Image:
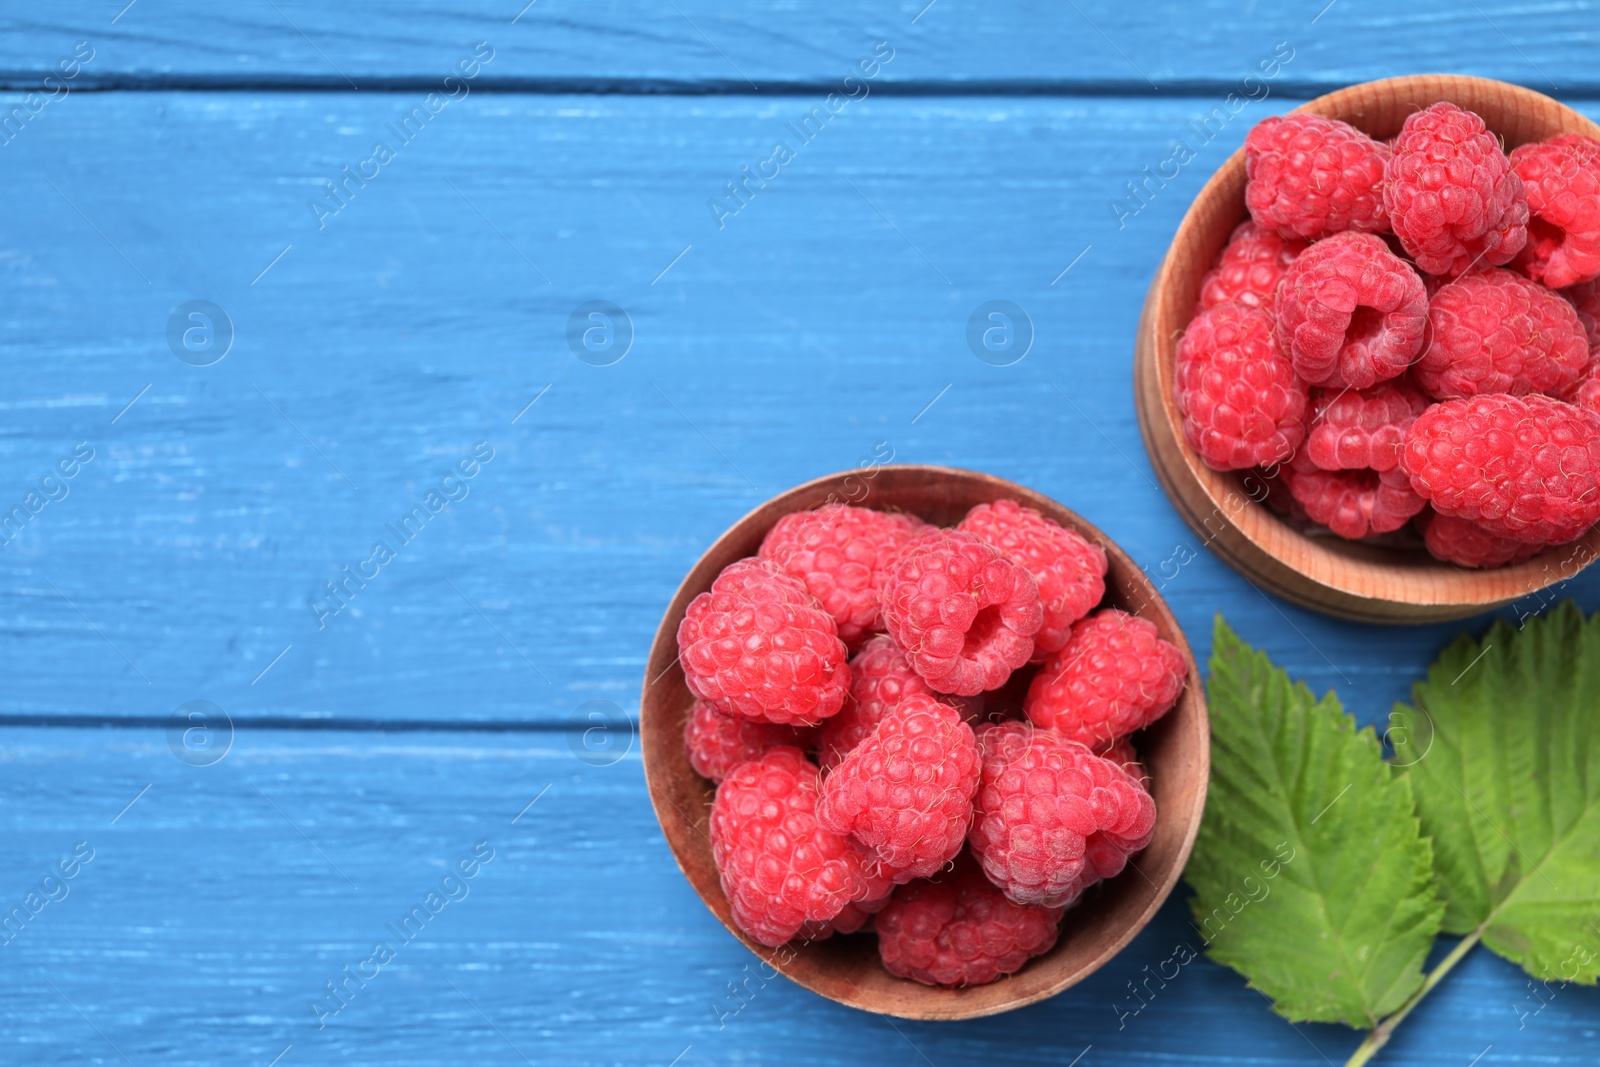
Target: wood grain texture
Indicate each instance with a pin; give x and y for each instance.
(1386, 580)
(773, 46)
(206, 925)
(1176, 751)
(810, 334)
(821, 327)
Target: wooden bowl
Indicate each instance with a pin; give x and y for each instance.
(1395, 581)
(1176, 751)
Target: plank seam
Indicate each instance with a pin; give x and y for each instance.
(29, 81)
(290, 722)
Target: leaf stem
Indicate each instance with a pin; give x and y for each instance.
(1384, 1030)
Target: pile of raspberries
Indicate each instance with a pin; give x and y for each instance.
(1405, 332)
(921, 732)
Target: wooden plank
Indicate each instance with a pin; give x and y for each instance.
(705, 45)
(821, 327)
(216, 908)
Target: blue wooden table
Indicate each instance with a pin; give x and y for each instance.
(285, 282)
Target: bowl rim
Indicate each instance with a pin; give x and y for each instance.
(1356, 580)
(661, 746)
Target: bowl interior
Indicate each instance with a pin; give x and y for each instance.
(1387, 580)
(846, 969)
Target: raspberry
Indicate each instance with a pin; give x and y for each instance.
(1242, 403)
(718, 743)
(1355, 503)
(1249, 269)
(1561, 178)
(1453, 199)
(1585, 296)
(1122, 753)
(1362, 429)
(1116, 675)
(960, 931)
(1585, 392)
(1524, 468)
(997, 705)
(906, 791)
(780, 869)
(1069, 570)
(1051, 817)
(880, 677)
(1467, 544)
(1271, 488)
(1432, 283)
(1351, 313)
(757, 645)
(1313, 177)
(839, 553)
(964, 614)
(1496, 332)
(852, 917)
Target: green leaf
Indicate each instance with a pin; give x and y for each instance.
(1311, 876)
(1503, 751)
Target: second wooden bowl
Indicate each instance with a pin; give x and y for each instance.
(1388, 582)
(1176, 751)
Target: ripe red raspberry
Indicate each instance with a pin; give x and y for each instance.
(718, 743)
(1069, 570)
(1355, 503)
(960, 931)
(840, 553)
(1526, 468)
(1122, 753)
(1313, 177)
(997, 705)
(1269, 486)
(1351, 429)
(780, 869)
(1585, 392)
(964, 614)
(1051, 817)
(853, 916)
(906, 791)
(1242, 403)
(757, 645)
(1432, 283)
(880, 678)
(1585, 297)
(1453, 199)
(1496, 332)
(1248, 269)
(1351, 313)
(1561, 178)
(1467, 544)
(1116, 675)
